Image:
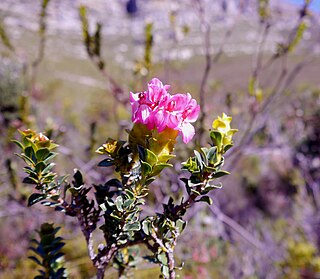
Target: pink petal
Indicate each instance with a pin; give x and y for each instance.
(160, 120)
(187, 131)
(193, 115)
(173, 121)
(143, 113)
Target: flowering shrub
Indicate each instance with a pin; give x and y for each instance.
(158, 119)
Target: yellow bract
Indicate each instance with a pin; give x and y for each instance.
(222, 125)
(161, 144)
(110, 146)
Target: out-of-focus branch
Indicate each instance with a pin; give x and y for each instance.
(92, 43)
(236, 227)
(209, 61)
(206, 31)
(5, 37)
(284, 80)
(41, 48)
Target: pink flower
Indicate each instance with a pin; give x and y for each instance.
(183, 111)
(157, 109)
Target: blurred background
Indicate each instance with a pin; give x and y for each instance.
(67, 67)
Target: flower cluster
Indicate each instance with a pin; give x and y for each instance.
(158, 109)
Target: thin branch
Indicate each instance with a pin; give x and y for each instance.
(236, 227)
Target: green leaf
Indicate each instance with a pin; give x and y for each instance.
(227, 147)
(40, 167)
(146, 227)
(27, 160)
(146, 168)
(18, 143)
(220, 174)
(165, 157)
(142, 153)
(33, 258)
(42, 153)
(206, 199)
(149, 180)
(132, 226)
(211, 154)
(165, 271)
(36, 197)
(181, 224)
(48, 167)
(50, 157)
(29, 152)
(212, 187)
(195, 191)
(159, 167)
(119, 203)
(151, 158)
(216, 138)
(251, 86)
(78, 180)
(108, 162)
(162, 258)
(129, 193)
(127, 203)
(28, 180)
(199, 158)
(103, 207)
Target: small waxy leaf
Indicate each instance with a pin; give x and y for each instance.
(162, 258)
(199, 158)
(108, 162)
(127, 203)
(132, 226)
(181, 224)
(212, 187)
(50, 157)
(42, 153)
(103, 207)
(78, 178)
(40, 167)
(216, 138)
(165, 271)
(119, 203)
(149, 180)
(48, 167)
(36, 197)
(227, 147)
(206, 199)
(220, 174)
(159, 167)
(151, 158)
(165, 157)
(142, 153)
(28, 180)
(129, 193)
(146, 227)
(194, 191)
(18, 143)
(27, 160)
(146, 168)
(211, 155)
(29, 152)
(35, 260)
